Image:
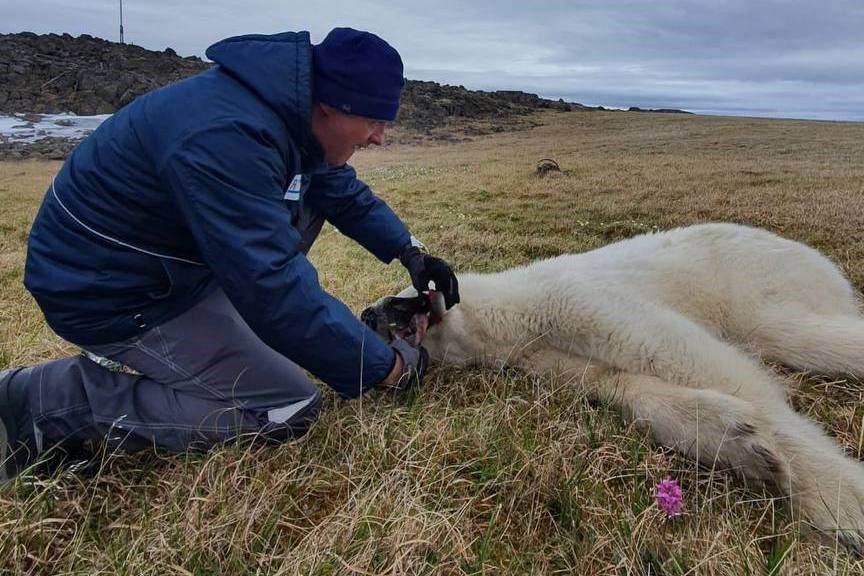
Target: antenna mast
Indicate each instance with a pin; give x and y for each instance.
(121, 21)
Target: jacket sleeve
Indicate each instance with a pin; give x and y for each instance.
(350, 205)
(227, 181)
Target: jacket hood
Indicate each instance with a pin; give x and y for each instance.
(278, 68)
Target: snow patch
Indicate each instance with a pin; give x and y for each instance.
(33, 127)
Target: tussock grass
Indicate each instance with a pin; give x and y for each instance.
(478, 472)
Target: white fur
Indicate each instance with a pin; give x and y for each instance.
(670, 327)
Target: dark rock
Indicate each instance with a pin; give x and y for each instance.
(53, 73)
(660, 110)
(85, 75)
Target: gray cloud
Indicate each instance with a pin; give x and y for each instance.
(771, 57)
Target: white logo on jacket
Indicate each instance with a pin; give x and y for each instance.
(294, 188)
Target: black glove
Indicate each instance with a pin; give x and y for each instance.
(414, 363)
(424, 268)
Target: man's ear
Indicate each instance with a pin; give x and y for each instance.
(320, 119)
(323, 109)
(319, 111)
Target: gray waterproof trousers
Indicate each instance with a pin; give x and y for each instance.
(205, 378)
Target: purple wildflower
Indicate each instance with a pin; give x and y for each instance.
(669, 497)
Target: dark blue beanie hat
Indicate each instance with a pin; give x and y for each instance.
(358, 73)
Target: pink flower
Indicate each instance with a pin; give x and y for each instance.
(669, 497)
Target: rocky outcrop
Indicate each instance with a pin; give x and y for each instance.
(54, 73)
(658, 110)
(48, 148)
(427, 105)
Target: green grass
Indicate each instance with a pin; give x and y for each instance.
(480, 471)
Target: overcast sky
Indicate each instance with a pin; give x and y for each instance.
(782, 58)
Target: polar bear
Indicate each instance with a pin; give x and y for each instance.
(674, 328)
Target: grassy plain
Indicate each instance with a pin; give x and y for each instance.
(479, 472)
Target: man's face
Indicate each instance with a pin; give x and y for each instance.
(340, 134)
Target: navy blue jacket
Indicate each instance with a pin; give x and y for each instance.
(202, 180)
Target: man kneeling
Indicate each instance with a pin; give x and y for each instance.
(171, 247)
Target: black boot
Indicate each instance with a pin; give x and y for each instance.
(18, 446)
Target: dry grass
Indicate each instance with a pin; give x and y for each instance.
(479, 472)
